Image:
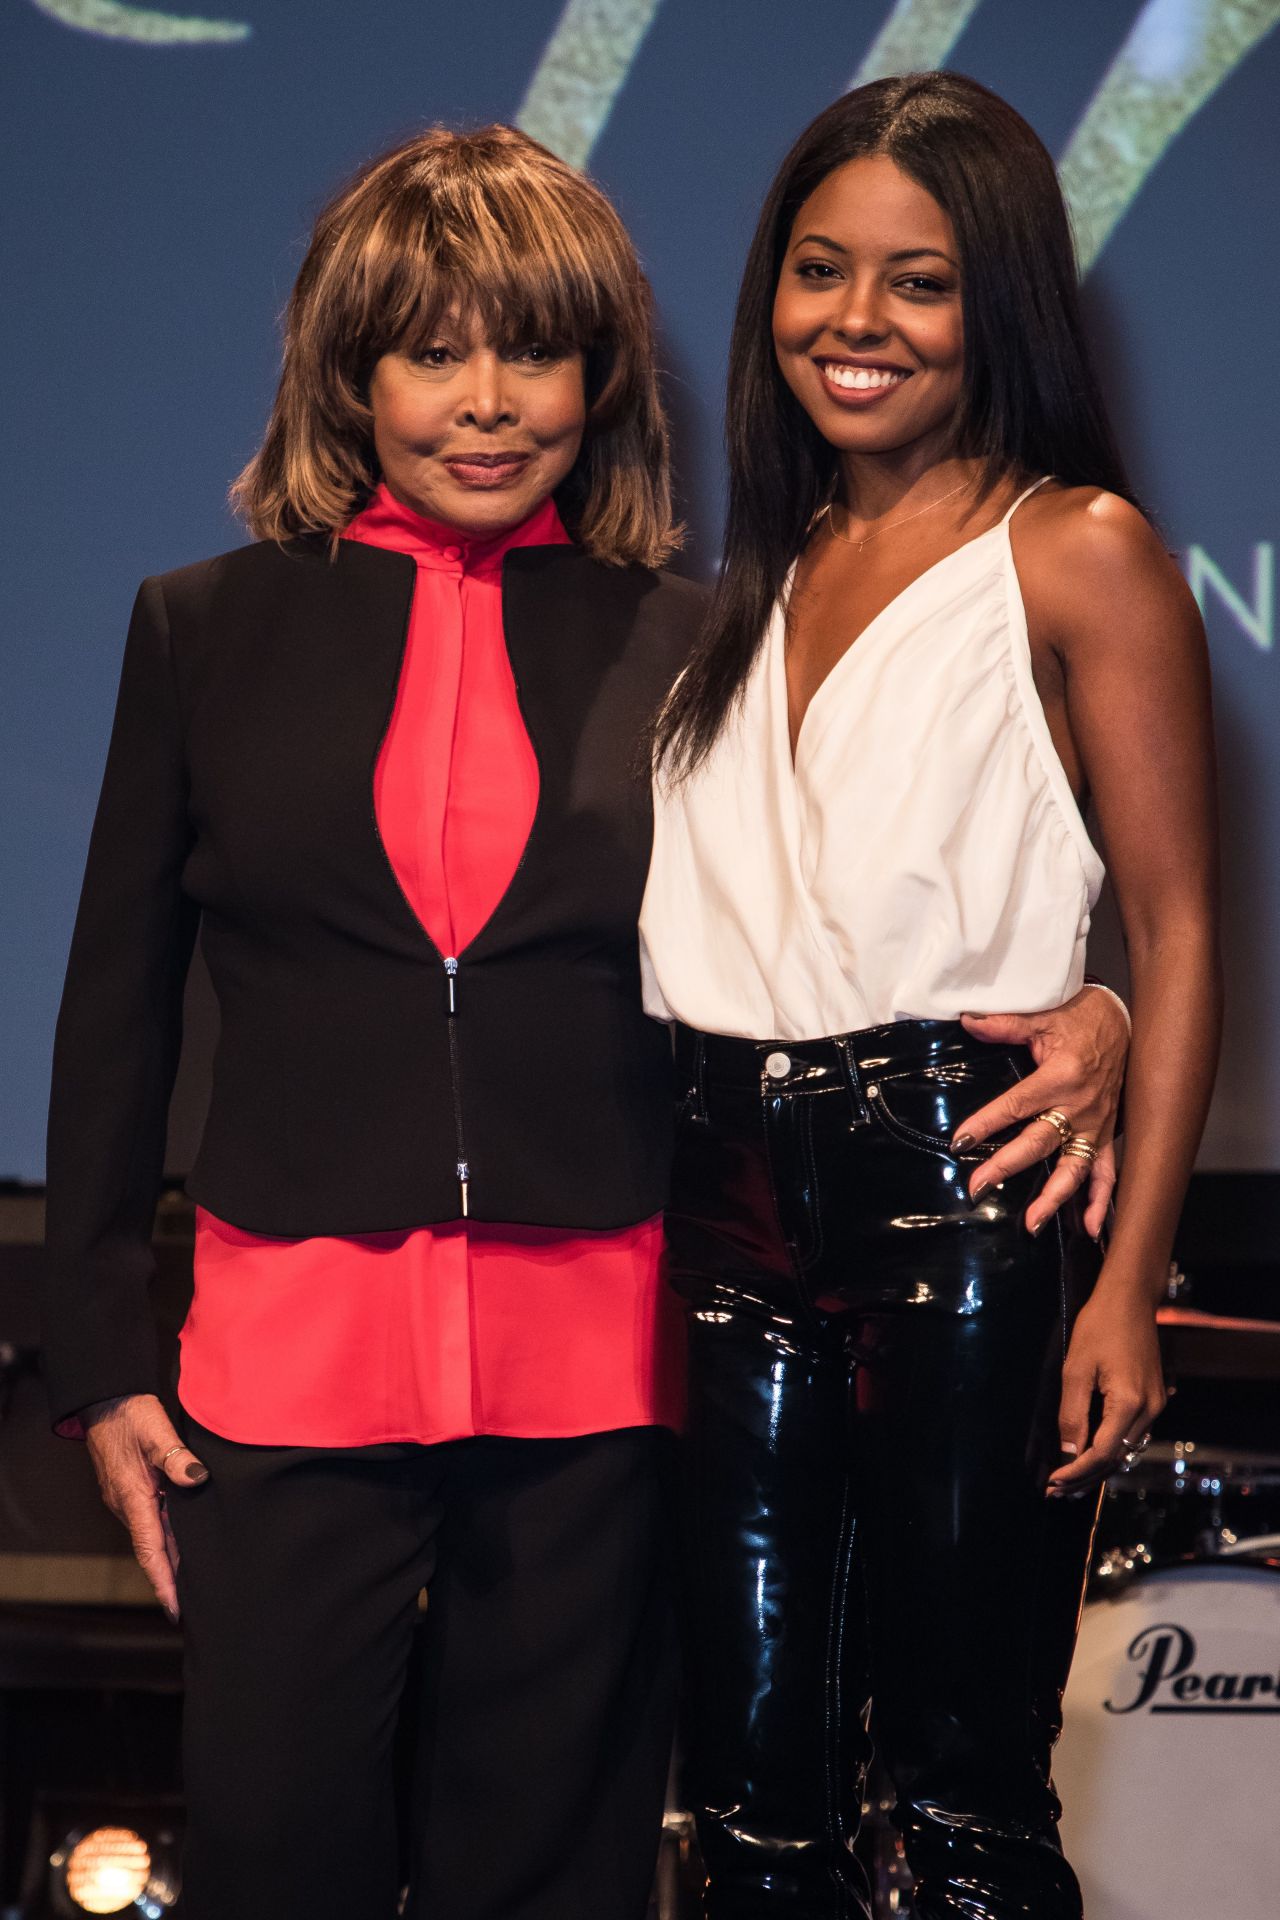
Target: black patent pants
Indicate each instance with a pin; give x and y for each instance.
(875, 1372)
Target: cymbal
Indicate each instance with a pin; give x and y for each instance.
(1216, 1346)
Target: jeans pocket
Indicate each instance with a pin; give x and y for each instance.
(921, 1106)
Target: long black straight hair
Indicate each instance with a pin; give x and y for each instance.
(1031, 401)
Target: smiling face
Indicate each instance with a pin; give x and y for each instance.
(867, 324)
(475, 433)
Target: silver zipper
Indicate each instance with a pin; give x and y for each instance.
(462, 1169)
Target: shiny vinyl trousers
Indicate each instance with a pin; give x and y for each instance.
(875, 1374)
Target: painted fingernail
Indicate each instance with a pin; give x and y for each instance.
(173, 1614)
(961, 1141)
(978, 1186)
(1033, 1231)
(197, 1472)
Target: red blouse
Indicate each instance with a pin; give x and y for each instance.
(438, 1332)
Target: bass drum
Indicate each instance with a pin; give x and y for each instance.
(1170, 1749)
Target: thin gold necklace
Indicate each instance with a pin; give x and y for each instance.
(941, 501)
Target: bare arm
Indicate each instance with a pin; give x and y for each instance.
(1135, 674)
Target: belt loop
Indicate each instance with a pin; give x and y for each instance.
(860, 1113)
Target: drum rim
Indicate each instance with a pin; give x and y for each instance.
(1266, 1545)
(1238, 1559)
(1198, 1457)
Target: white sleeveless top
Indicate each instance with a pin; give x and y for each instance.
(924, 858)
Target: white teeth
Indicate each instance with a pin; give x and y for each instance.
(861, 376)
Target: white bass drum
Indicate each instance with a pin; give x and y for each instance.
(1169, 1763)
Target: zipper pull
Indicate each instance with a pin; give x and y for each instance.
(464, 1184)
(451, 970)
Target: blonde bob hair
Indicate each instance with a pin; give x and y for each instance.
(487, 223)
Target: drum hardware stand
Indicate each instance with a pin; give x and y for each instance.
(1210, 1539)
(1115, 1568)
(883, 1855)
(680, 1880)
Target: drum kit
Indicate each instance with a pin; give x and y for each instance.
(1169, 1763)
(1169, 1760)
(1168, 1767)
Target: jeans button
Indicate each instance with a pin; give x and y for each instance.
(778, 1065)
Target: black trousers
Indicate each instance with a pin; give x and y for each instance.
(875, 1371)
(546, 1678)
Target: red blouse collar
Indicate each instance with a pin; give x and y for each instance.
(386, 522)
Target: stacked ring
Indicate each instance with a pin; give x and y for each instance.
(1078, 1148)
(1060, 1124)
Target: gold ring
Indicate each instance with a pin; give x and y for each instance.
(168, 1456)
(1059, 1122)
(1078, 1148)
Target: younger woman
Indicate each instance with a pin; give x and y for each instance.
(941, 627)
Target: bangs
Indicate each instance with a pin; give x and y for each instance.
(491, 230)
(518, 262)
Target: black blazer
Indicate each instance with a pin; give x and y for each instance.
(363, 1081)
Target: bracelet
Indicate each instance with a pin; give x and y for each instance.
(1102, 987)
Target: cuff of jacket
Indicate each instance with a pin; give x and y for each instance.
(91, 1371)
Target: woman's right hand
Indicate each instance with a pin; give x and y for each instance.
(1080, 1051)
(135, 1452)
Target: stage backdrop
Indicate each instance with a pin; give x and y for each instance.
(164, 170)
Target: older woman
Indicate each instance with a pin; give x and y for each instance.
(388, 775)
(386, 758)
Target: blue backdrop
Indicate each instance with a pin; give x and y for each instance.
(168, 172)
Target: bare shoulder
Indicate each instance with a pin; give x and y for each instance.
(1091, 565)
(1089, 536)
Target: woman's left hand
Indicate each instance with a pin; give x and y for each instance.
(1114, 1352)
(1080, 1049)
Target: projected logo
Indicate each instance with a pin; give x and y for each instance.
(1175, 56)
(1255, 612)
(143, 24)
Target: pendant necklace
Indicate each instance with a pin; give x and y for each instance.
(849, 541)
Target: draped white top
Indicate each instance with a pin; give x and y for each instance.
(923, 858)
